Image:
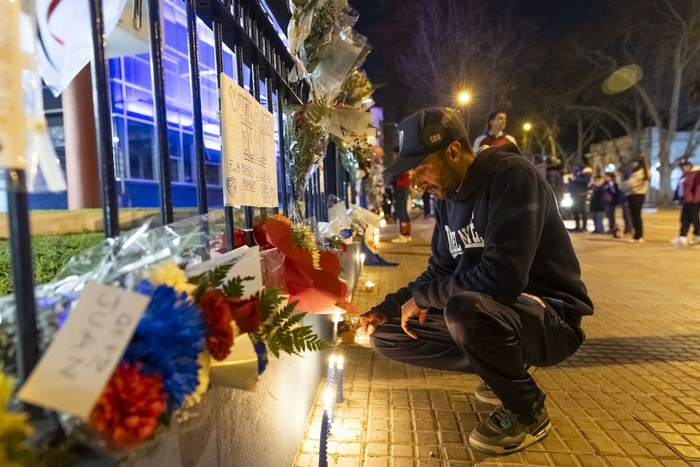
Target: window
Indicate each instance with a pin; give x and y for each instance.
(141, 150)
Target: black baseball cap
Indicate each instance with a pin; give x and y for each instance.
(425, 132)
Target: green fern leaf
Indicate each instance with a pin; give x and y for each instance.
(234, 286)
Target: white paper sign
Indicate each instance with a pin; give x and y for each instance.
(11, 105)
(249, 158)
(246, 262)
(84, 353)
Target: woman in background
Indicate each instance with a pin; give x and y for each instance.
(636, 187)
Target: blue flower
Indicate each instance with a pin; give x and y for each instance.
(168, 340)
(261, 350)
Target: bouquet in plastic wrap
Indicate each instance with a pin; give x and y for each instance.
(133, 331)
(308, 135)
(310, 273)
(356, 155)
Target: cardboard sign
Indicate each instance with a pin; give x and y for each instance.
(248, 142)
(84, 353)
(11, 105)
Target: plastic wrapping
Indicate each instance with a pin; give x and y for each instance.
(122, 261)
(308, 134)
(65, 37)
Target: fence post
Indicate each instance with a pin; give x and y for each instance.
(103, 122)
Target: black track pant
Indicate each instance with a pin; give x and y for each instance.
(493, 337)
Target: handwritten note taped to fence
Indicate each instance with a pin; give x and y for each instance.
(249, 158)
(11, 106)
(82, 356)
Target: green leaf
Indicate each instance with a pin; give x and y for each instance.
(234, 287)
(217, 275)
(280, 328)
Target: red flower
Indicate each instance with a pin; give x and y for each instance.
(238, 238)
(329, 262)
(246, 313)
(128, 409)
(217, 315)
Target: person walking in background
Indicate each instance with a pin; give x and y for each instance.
(495, 134)
(625, 170)
(578, 187)
(636, 187)
(597, 204)
(611, 198)
(555, 177)
(402, 190)
(688, 194)
(502, 289)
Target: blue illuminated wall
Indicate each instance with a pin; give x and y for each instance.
(132, 107)
(134, 137)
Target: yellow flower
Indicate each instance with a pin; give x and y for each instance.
(203, 375)
(13, 427)
(171, 275)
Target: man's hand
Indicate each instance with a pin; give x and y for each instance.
(370, 320)
(411, 310)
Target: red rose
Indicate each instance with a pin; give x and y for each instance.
(246, 313)
(217, 315)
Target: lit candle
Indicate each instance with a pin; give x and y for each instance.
(339, 384)
(323, 446)
(331, 372)
(328, 407)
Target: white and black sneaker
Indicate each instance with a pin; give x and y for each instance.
(505, 432)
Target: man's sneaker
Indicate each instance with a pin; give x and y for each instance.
(505, 432)
(680, 241)
(635, 240)
(401, 239)
(484, 394)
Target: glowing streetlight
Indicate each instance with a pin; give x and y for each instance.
(527, 126)
(464, 97)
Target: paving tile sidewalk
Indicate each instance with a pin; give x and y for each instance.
(630, 396)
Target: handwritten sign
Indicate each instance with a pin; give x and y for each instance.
(249, 158)
(82, 356)
(11, 106)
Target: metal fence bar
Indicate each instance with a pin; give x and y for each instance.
(159, 112)
(103, 122)
(195, 89)
(283, 151)
(218, 30)
(22, 273)
(197, 125)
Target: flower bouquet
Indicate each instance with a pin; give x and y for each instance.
(308, 134)
(132, 331)
(311, 274)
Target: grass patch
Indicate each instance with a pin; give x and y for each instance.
(49, 254)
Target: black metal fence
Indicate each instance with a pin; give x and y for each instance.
(243, 26)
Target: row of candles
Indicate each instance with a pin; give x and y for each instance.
(334, 387)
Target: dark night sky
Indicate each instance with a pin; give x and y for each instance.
(552, 18)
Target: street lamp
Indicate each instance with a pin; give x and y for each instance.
(463, 98)
(527, 126)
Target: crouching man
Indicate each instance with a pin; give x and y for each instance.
(502, 290)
